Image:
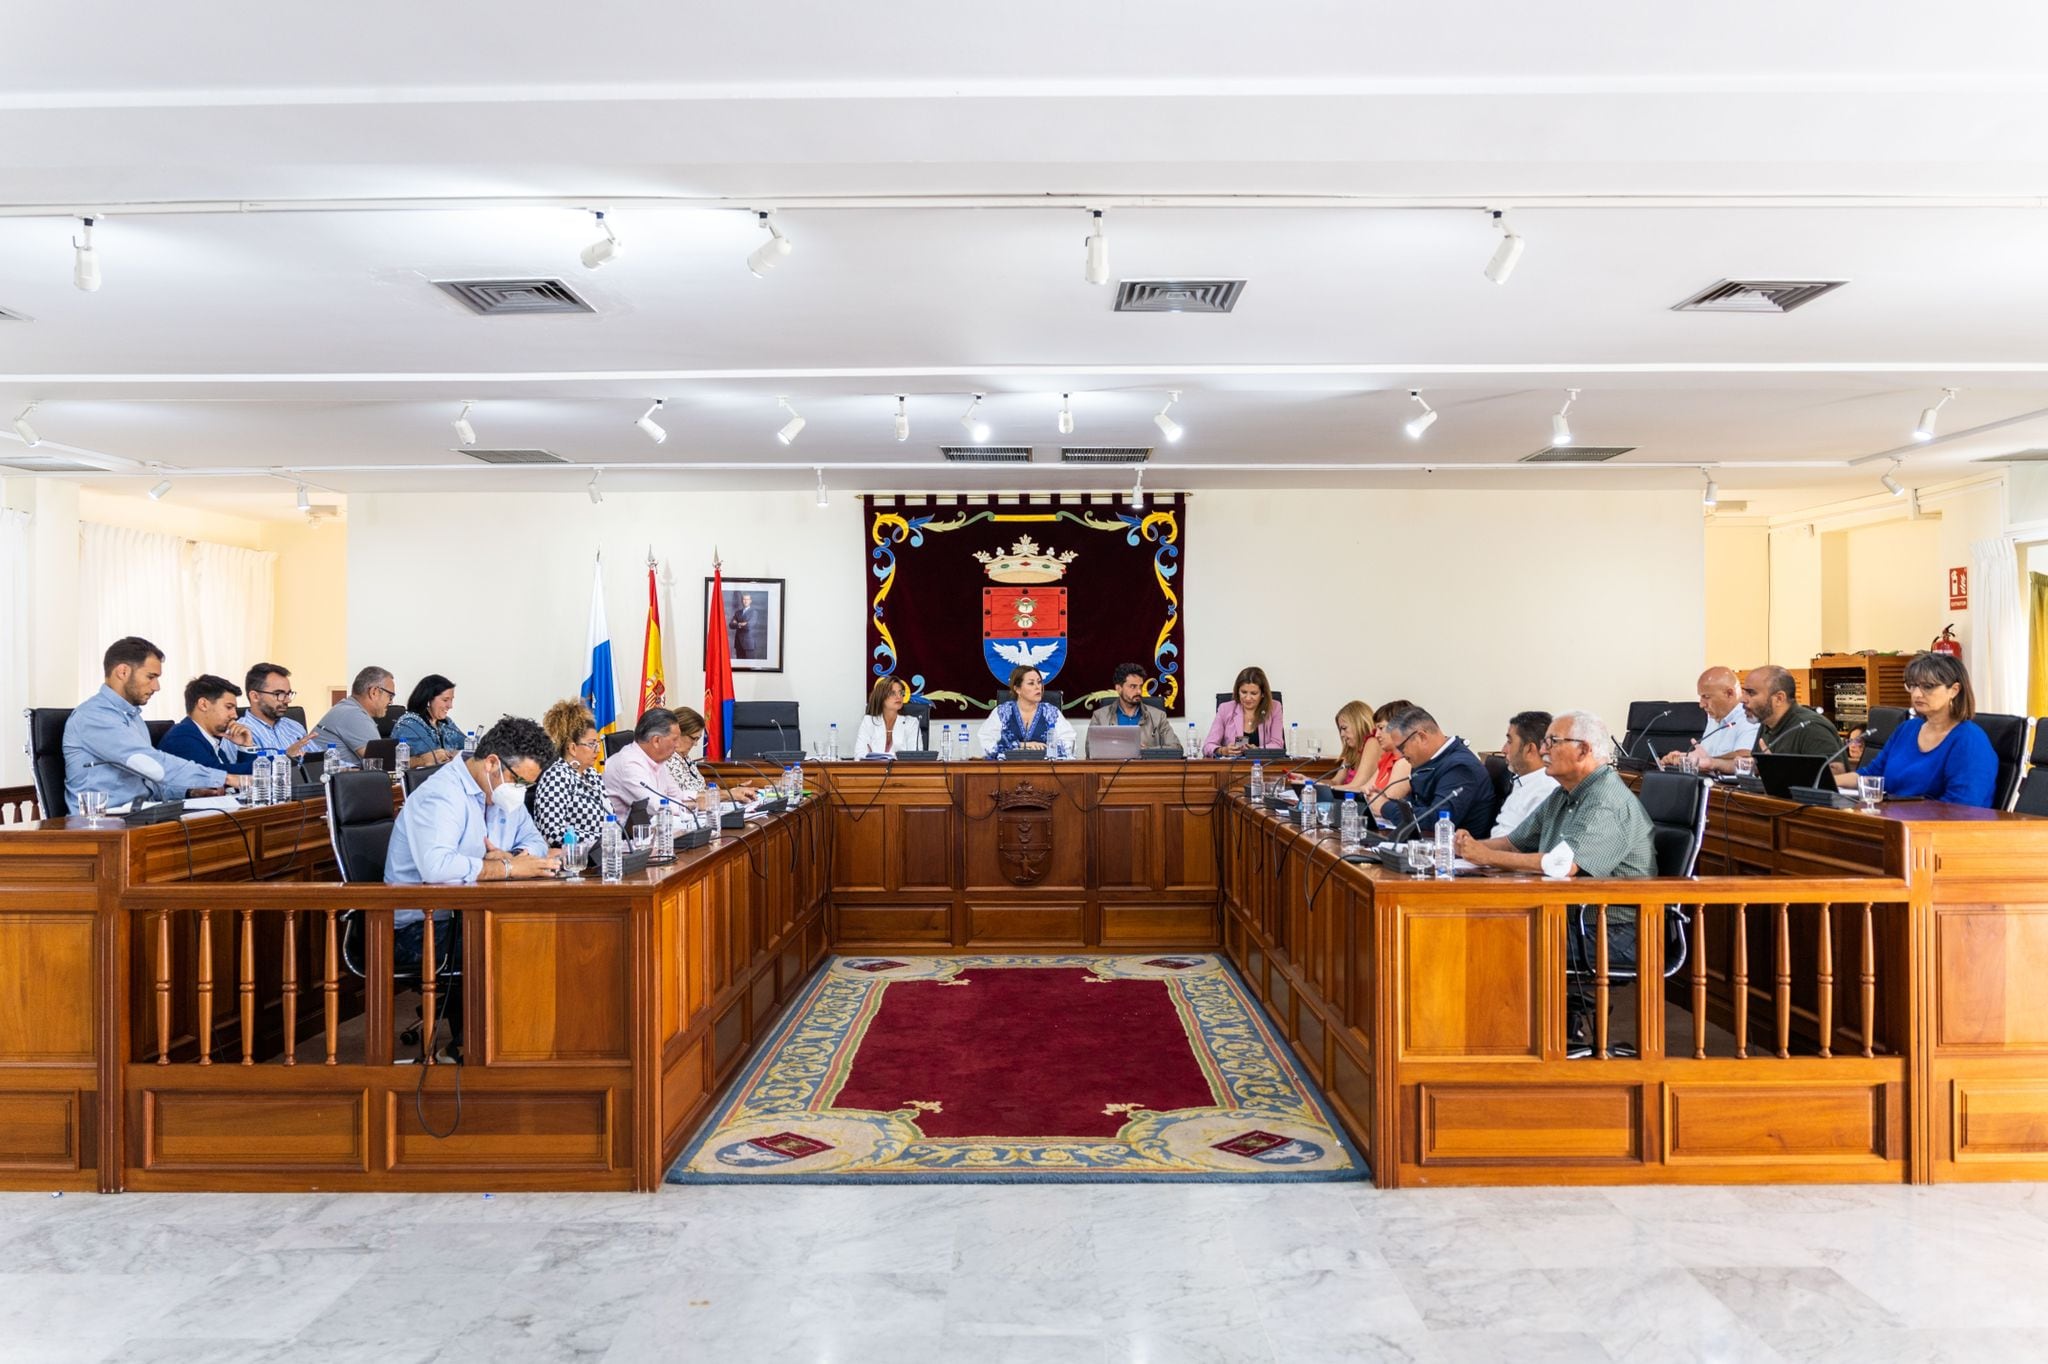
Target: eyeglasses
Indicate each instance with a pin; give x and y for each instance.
(583, 743)
(286, 694)
(386, 690)
(1552, 740)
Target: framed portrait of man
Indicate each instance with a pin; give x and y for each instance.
(752, 611)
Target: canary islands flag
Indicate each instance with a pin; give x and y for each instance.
(600, 692)
(653, 676)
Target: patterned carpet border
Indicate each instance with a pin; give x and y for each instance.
(776, 1126)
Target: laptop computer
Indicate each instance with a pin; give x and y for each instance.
(1780, 772)
(1113, 741)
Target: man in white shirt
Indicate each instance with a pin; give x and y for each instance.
(1523, 748)
(1730, 728)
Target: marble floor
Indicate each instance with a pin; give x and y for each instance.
(1008, 1273)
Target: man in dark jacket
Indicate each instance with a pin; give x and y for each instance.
(210, 735)
(1442, 769)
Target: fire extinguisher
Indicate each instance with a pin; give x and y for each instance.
(1945, 643)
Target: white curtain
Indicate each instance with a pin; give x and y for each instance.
(1998, 636)
(208, 607)
(232, 597)
(14, 642)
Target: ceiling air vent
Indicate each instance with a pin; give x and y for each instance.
(987, 454)
(1577, 454)
(1178, 295)
(514, 297)
(513, 456)
(1105, 454)
(1757, 295)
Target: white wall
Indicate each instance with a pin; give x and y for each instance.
(1475, 604)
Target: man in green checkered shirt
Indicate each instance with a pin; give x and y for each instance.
(1592, 810)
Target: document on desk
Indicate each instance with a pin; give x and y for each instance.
(199, 805)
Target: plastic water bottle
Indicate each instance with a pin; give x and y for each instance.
(469, 744)
(401, 757)
(832, 742)
(259, 778)
(611, 851)
(1307, 810)
(1258, 786)
(788, 775)
(280, 778)
(717, 804)
(796, 783)
(1446, 843)
(1194, 745)
(946, 742)
(1347, 820)
(664, 833)
(1294, 738)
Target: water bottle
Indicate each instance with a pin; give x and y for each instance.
(832, 742)
(1194, 745)
(1446, 842)
(331, 759)
(1347, 820)
(611, 851)
(796, 783)
(401, 757)
(946, 742)
(1294, 738)
(788, 777)
(717, 804)
(469, 744)
(664, 833)
(1258, 786)
(259, 778)
(1307, 810)
(280, 778)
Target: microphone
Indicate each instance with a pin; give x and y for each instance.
(1415, 821)
(1643, 736)
(696, 817)
(781, 738)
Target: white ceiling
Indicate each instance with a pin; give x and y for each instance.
(1336, 157)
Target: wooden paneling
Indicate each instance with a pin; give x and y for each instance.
(1470, 983)
(46, 1018)
(1991, 976)
(1154, 925)
(556, 988)
(2000, 1120)
(925, 852)
(503, 1131)
(229, 1130)
(1777, 1123)
(1013, 923)
(40, 1131)
(1514, 1124)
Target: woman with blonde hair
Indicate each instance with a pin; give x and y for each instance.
(570, 794)
(1358, 765)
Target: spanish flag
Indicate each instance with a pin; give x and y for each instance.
(653, 678)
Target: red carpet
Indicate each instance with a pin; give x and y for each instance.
(1026, 1053)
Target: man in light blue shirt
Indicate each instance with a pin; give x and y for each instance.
(107, 747)
(269, 686)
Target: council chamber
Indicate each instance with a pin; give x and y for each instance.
(1076, 686)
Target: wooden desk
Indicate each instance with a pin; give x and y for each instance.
(151, 986)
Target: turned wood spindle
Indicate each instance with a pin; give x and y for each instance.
(427, 986)
(330, 984)
(1869, 983)
(245, 981)
(1699, 983)
(291, 987)
(163, 988)
(1738, 982)
(205, 1021)
(1781, 994)
(1824, 975)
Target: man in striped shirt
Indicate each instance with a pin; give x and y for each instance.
(1592, 811)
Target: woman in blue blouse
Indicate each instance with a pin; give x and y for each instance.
(1024, 721)
(429, 735)
(1940, 753)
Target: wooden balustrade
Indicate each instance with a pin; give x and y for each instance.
(18, 805)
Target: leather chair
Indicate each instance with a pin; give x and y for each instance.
(1657, 727)
(1503, 780)
(1677, 806)
(1883, 722)
(763, 727)
(360, 816)
(2033, 799)
(393, 713)
(617, 740)
(2008, 735)
(921, 711)
(1053, 697)
(415, 775)
(46, 757)
(157, 729)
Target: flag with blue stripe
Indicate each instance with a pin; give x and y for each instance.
(600, 692)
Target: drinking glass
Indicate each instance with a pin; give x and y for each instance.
(1871, 789)
(1745, 766)
(1420, 857)
(93, 805)
(573, 856)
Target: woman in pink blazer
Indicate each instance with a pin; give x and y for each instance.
(1254, 711)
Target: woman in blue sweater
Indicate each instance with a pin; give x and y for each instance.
(1940, 753)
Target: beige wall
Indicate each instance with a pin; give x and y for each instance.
(1738, 600)
(1442, 608)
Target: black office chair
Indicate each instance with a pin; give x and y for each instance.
(1657, 727)
(1053, 696)
(46, 757)
(157, 729)
(1503, 780)
(2033, 798)
(617, 740)
(2008, 735)
(384, 751)
(393, 713)
(761, 729)
(921, 711)
(360, 818)
(1883, 721)
(1677, 806)
(415, 775)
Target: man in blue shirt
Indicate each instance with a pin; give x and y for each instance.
(106, 745)
(270, 690)
(209, 734)
(468, 823)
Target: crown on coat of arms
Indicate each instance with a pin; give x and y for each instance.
(1025, 562)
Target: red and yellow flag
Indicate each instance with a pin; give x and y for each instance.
(653, 677)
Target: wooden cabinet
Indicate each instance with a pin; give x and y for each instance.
(1843, 687)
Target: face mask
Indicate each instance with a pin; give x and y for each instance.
(509, 797)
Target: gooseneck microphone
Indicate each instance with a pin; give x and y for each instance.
(1643, 735)
(1415, 821)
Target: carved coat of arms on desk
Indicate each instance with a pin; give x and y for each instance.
(1024, 832)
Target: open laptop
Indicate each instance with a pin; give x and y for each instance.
(1780, 772)
(1113, 741)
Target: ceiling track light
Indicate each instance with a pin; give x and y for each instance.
(464, 432)
(824, 499)
(305, 500)
(1066, 414)
(596, 493)
(792, 428)
(1892, 485)
(1138, 490)
(1560, 428)
(1098, 252)
(605, 248)
(650, 426)
(1168, 427)
(1508, 253)
(24, 430)
(770, 253)
(1422, 421)
(1711, 498)
(976, 428)
(902, 418)
(85, 267)
(1923, 430)
(160, 491)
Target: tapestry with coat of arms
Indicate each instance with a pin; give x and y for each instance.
(963, 589)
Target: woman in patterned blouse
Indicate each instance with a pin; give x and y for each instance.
(689, 737)
(570, 794)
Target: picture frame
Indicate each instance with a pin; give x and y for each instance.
(753, 615)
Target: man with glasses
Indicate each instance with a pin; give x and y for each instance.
(1444, 773)
(1592, 811)
(352, 724)
(269, 687)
